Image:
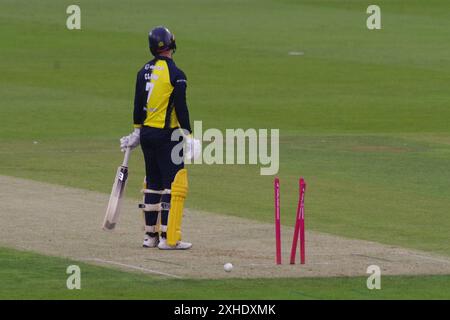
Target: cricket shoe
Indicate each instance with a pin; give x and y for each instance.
(150, 242)
(181, 245)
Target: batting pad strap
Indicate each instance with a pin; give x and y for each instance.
(151, 229)
(150, 207)
(165, 191)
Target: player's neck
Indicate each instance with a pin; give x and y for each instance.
(167, 54)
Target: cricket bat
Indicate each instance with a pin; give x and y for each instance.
(118, 189)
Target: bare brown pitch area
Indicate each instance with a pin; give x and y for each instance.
(66, 222)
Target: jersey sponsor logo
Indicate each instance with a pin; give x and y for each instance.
(147, 66)
(156, 67)
(182, 80)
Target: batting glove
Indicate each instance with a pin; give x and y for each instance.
(130, 141)
(193, 148)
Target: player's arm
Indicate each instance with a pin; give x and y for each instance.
(139, 102)
(193, 146)
(179, 99)
(133, 139)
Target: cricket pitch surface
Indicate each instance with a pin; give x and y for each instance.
(66, 222)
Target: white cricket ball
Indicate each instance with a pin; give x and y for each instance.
(228, 267)
(35, 142)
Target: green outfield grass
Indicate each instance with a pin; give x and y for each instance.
(25, 275)
(363, 115)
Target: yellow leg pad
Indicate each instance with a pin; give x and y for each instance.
(178, 191)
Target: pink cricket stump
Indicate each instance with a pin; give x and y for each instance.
(276, 185)
(299, 225)
(302, 221)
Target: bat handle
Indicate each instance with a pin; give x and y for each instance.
(126, 157)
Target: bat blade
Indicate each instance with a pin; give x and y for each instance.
(115, 199)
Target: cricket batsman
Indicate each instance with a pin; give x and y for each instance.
(160, 109)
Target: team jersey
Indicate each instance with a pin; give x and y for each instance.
(160, 97)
